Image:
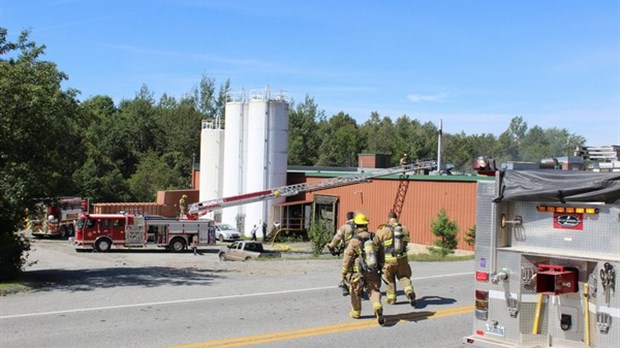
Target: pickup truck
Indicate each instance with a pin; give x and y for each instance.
(246, 250)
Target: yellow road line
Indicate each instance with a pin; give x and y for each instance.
(323, 330)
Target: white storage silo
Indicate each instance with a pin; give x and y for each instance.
(211, 161)
(277, 143)
(255, 156)
(235, 150)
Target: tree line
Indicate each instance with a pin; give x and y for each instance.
(54, 144)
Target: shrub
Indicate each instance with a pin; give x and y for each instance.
(470, 236)
(446, 231)
(320, 235)
(13, 254)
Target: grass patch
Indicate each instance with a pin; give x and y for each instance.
(438, 258)
(14, 287)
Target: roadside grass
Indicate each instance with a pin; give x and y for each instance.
(439, 258)
(15, 287)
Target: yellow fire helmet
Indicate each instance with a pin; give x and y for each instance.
(360, 219)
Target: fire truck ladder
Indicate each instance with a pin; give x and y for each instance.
(200, 208)
(403, 186)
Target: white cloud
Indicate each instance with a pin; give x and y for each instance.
(436, 98)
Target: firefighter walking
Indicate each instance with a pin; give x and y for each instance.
(362, 259)
(394, 237)
(342, 236)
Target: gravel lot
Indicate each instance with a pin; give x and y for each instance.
(54, 262)
(50, 255)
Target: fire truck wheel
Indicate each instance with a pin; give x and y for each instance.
(103, 245)
(177, 245)
(222, 257)
(63, 232)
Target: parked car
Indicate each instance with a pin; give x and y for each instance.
(225, 232)
(246, 250)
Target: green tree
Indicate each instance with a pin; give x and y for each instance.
(40, 142)
(111, 153)
(445, 230)
(156, 172)
(180, 128)
(535, 145)
(207, 102)
(380, 134)
(511, 140)
(222, 98)
(541, 143)
(304, 134)
(423, 141)
(461, 149)
(341, 144)
(470, 236)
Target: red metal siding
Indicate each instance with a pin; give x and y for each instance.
(143, 208)
(374, 160)
(367, 161)
(423, 201)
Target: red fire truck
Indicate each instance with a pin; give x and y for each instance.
(60, 216)
(104, 231)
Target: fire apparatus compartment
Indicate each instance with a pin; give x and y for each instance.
(556, 280)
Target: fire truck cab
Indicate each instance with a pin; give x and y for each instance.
(547, 254)
(101, 232)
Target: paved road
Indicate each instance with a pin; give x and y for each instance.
(157, 299)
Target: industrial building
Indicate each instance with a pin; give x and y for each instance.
(249, 154)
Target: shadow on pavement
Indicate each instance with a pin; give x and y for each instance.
(391, 320)
(101, 278)
(422, 302)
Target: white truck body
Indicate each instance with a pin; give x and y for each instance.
(547, 255)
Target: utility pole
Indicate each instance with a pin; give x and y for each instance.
(439, 134)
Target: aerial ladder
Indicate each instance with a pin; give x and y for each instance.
(195, 210)
(403, 186)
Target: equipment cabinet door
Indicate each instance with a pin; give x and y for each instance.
(135, 233)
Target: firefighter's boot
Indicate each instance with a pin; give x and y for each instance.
(391, 299)
(411, 297)
(355, 314)
(379, 313)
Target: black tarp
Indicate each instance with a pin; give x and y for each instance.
(559, 186)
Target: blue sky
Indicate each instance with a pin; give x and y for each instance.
(473, 64)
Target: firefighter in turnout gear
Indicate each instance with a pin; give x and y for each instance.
(342, 236)
(363, 257)
(183, 206)
(394, 237)
(404, 160)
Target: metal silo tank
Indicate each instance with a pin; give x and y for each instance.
(211, 161)
(235, 148)
(277, 155)
(256, 164)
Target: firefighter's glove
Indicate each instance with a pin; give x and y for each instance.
(332, 251)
